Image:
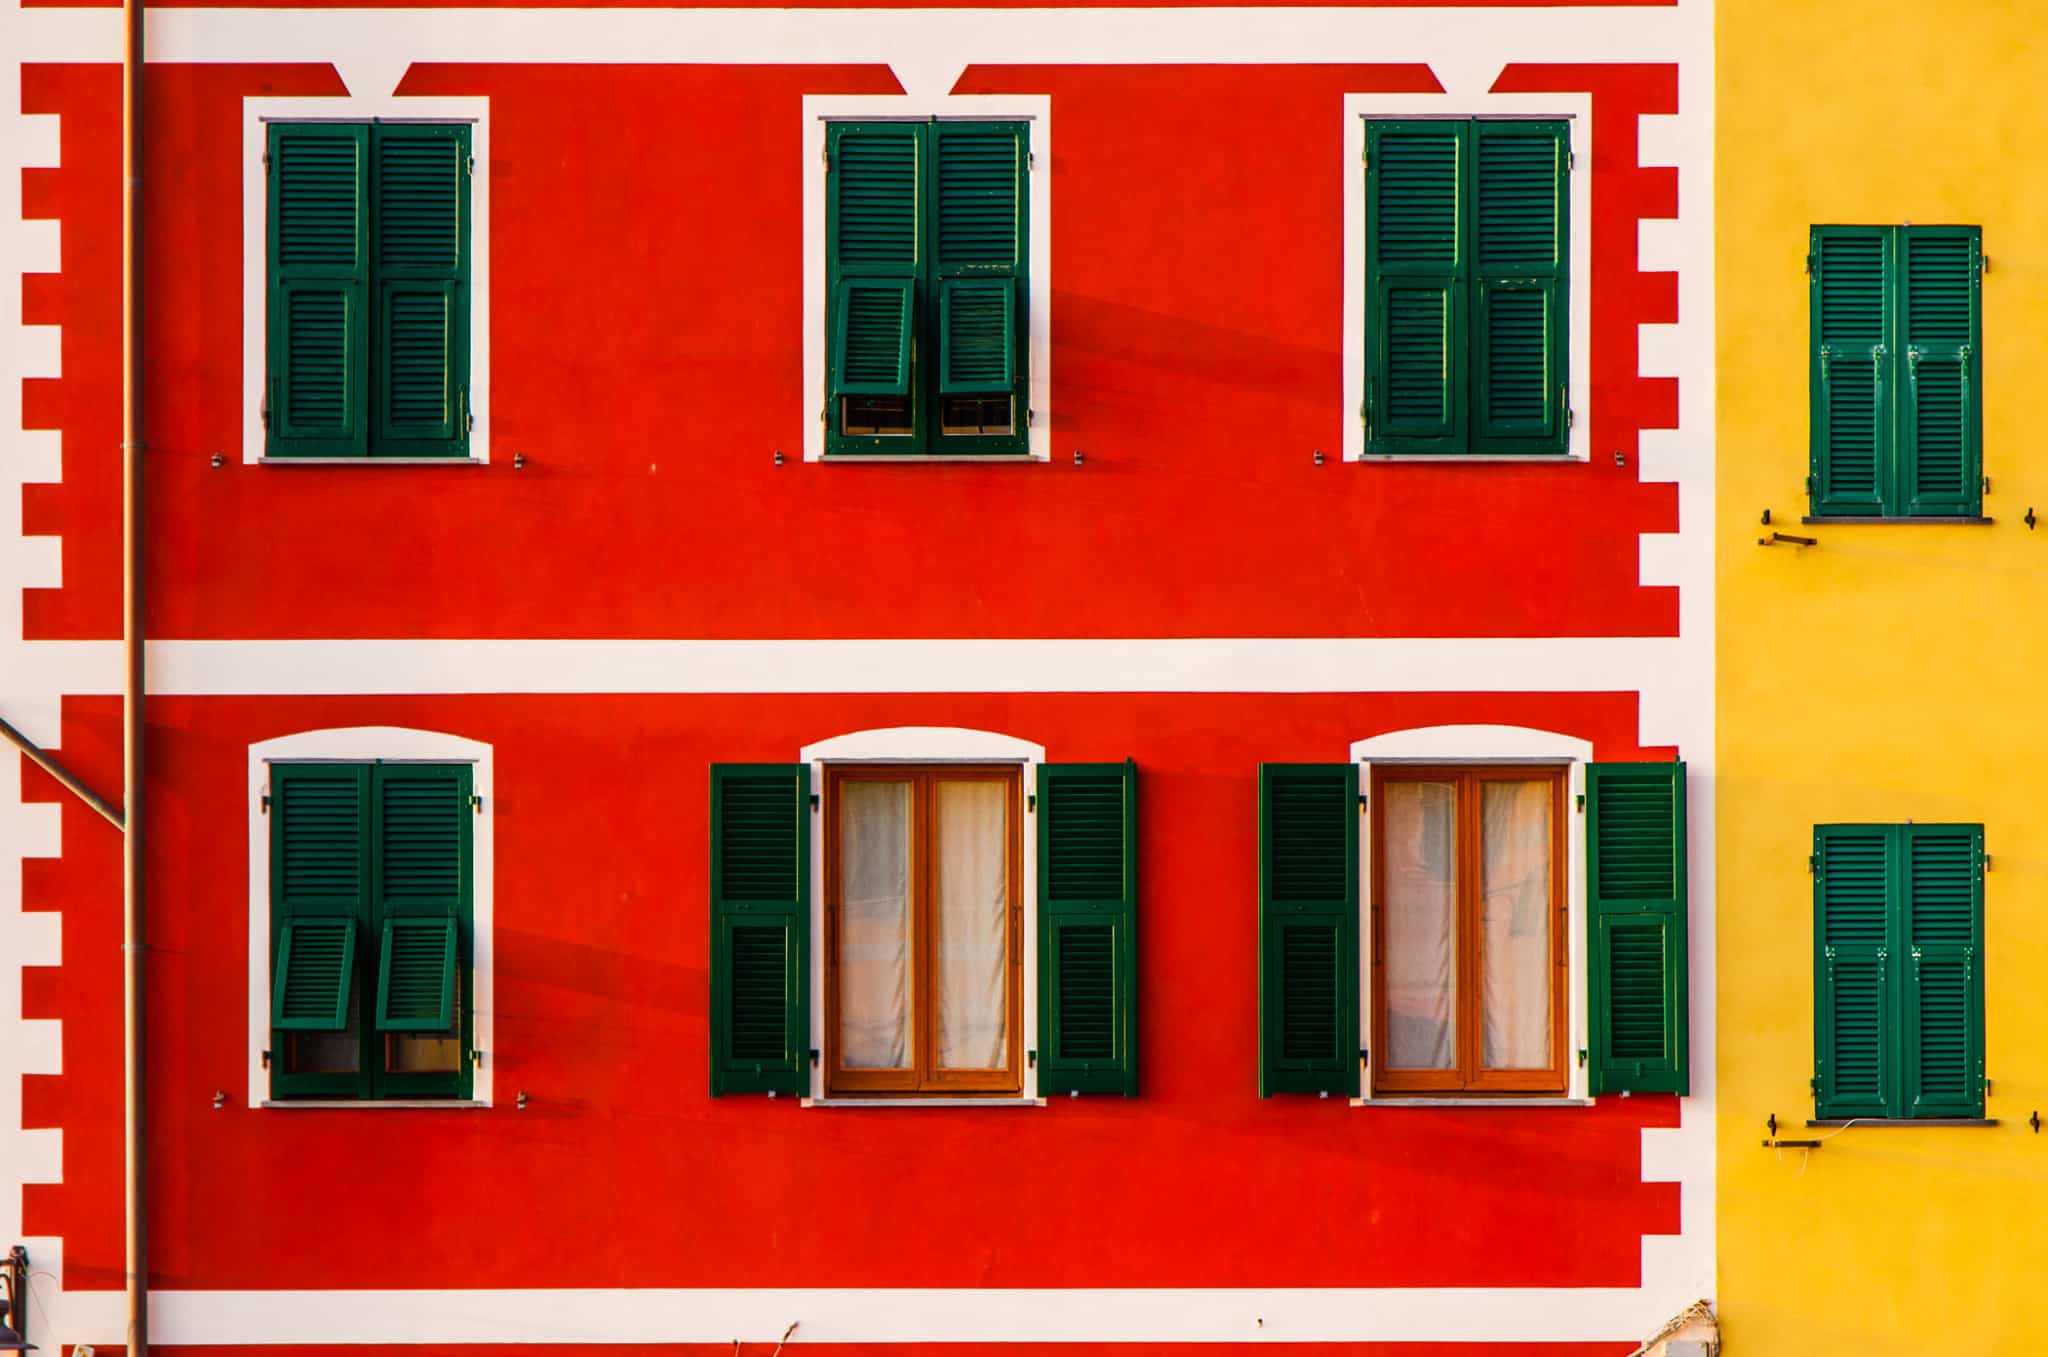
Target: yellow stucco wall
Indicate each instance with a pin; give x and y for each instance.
(1892, 672)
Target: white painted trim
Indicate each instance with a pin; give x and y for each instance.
(928, 84)
(365, 744)
(926, 744)
(1499, 745)
(1468, 93)
(369, 97)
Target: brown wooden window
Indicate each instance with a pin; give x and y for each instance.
(1468, 918)
(923, 930)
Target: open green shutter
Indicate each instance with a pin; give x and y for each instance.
(316, 304)
(1416, 285)
(1941, 401)
(872, 253)
(1636, 928)
(1087, 919)
(419, 213)
(977, 216)
(319, 892)
(1308, 928)
(423, 880)
(1943, 970)
(1519, 248)
(1852, 289)
(1855, 1015)
(760, 928)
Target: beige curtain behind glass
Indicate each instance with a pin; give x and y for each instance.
(1421, 918)
(874, 925)
(1515, 924)
(971, 916)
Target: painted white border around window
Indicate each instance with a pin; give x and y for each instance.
(922, 745)
(361, 108)
(1468, 100)
(1495, 745)
(365, 744)
(818, 109)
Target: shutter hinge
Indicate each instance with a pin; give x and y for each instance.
(468, 415)
(263, 406)
(266, 1060)
(1582, 803)
(1031, 160)
(469, 166)
(1029, 416)
(1812, 864)
(1364, 1057)
(266, 804)
(1571, 160)
(476, 802)
(1582, 1057)
(826, 156)
(1571, 419)
(1809, 485)
(1363, 799)
(1987, 485)
(1813, 265)
(266, 162)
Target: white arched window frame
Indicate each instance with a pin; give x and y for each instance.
(926, 745)
(367, 744)
(1486, 746)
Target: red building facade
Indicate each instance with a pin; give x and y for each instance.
(663, 506)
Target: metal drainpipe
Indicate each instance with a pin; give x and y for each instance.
(133, 922)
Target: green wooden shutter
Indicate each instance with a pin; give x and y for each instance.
(1308, 928)
(320, 902)
(1416, 180)
(1942, 971)
(1636, 928)
(1855, 1013)
(978, 259)
(1520, 247)
(1941, 418)
(419, 213)
(1851, 367)
(873, 251)
(423, 876)
(317, 331)
(1087, 921)
(760, 928)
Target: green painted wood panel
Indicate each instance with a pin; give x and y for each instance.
(316, 310)
(1942, 975)
(1308, 929)
(760, 914)
(1941, 417)
(420, 219)
(1520, 248)
(1637, 973)
(1087, 928)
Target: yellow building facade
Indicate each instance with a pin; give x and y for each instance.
(1892, 672)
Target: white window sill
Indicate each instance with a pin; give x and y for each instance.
(371, 1104)
(371, 461)
(857, 458)
(1544, 458)
(923, 1102)
(1389, 1100)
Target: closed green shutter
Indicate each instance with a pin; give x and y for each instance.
(320, 893)
(1519, 245)
(760, 928)
(1943, 970)
(316, 396)
(419, 212)
(1308, 928)
(1852, 287)
(1940, 404)
(1855, 1013)
(873, 255)
(424, 817)
(1087, 922)
(977, 216)
(1416, 286)
(1636, 928)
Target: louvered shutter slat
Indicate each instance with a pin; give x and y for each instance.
(1940, 457)
(1855, 1017)
(1943, 973)
(316, 308)
(1087, 928)
(1636, 917)
(1851, 369)
(1416, 284)
(1308, 928)
(1518, 298)
(760, 928)
(420, 212)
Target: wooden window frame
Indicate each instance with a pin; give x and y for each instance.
(923, 1078)
(1470, 1075)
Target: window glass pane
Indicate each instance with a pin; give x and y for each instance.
(971, 915)
(327, 1052)
(1421, 918)
(1515, 924)
(429, 1052)
(874, 925)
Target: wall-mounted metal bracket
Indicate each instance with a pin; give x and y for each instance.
(61, 773)
(1775, 538)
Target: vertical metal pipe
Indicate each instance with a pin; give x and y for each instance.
(134, 928)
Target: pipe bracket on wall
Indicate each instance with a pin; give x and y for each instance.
(1785, 537)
